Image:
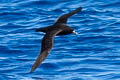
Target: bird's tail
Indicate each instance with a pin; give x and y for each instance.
(40, 30)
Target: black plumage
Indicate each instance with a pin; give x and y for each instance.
(58, 28)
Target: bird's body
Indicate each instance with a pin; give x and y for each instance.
(65, 29)
(59, 28)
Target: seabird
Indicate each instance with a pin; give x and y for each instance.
(58, 28)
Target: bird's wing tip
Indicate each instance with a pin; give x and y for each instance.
(32, 70)
(80, 8)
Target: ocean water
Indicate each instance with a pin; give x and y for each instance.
(94, 54)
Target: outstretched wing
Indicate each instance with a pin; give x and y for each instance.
(64, 18)
(47, 44)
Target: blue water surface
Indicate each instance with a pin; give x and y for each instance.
(94, 54)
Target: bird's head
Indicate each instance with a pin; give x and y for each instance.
(74, 32)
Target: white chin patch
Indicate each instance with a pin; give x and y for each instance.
(75, 32)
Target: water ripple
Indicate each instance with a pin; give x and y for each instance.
(91, 55)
